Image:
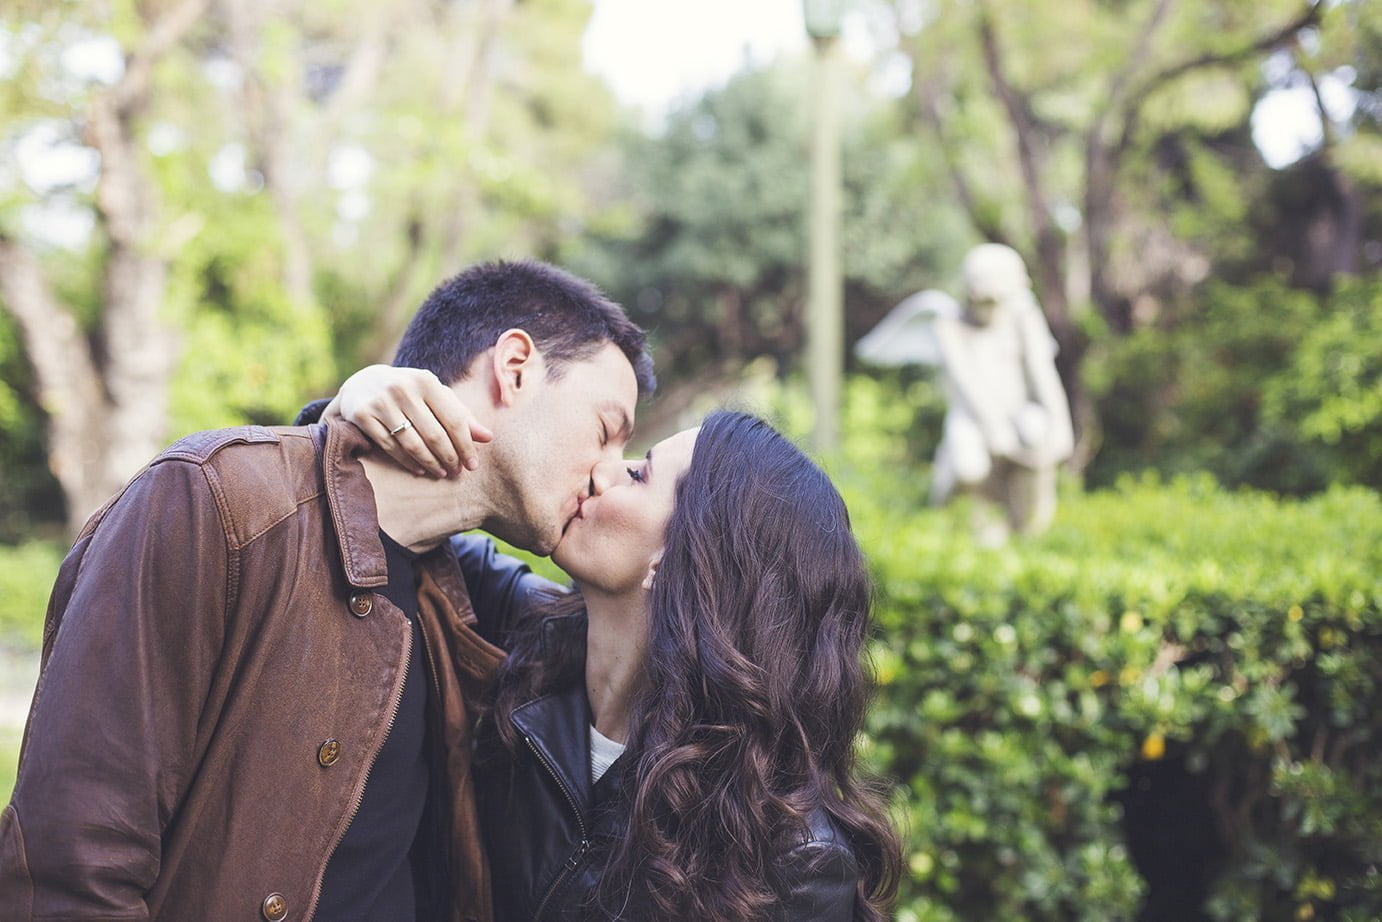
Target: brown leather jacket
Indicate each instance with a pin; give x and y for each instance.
(217, 679)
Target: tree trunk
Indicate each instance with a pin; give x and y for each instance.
(138, 351)
(470, 99)
(106, 411)
(278, 142)
(1050, 266)
(69, 387)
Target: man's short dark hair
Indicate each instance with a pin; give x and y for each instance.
(568, 318)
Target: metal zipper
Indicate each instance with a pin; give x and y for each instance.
(575, 860)
(431, 665)
(567, 870)
(359, 796)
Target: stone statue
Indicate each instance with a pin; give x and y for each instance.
(1007, 426)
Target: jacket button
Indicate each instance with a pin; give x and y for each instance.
(361, 604)
(328, 752)
(275, 907)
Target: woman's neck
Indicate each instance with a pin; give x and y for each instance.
(615, 654)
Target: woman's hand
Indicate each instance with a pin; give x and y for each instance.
(413, 417)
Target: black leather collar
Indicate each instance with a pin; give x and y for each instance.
(558, 727)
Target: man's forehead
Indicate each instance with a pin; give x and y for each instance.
(607, 380)
(610, 370)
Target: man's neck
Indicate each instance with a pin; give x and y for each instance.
(422, 512)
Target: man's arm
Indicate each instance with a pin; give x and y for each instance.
(116, 725)
(313, 412)
(503, 590)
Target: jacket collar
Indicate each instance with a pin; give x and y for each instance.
(557, 726)
(351, 500)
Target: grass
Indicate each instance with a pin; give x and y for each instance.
(27, 573)
(9, 761)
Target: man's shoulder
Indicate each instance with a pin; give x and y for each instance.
(201, 447)
(247, 451)
(259, 474)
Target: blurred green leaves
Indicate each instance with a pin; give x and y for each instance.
(27, 572)
(1259, 384)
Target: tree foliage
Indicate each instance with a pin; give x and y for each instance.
(1264, 385)
(266, 191)
(706, 241)
(1112, 144)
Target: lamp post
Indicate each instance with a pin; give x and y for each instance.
(825, 317)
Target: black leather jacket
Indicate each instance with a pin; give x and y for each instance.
(545, 825)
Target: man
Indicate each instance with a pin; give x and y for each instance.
(258, 662)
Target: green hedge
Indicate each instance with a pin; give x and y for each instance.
(1234, 639)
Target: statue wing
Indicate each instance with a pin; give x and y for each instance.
(907, 336)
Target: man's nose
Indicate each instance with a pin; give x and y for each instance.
(604, 475)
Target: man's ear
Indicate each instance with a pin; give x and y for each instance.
(517, 364)
(652, 571)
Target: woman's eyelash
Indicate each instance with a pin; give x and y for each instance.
(635, 474)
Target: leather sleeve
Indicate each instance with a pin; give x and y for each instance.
(134, 632)
(503, 589)
(312, 413)
(820, 884)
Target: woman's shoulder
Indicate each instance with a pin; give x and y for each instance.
(820, 834)
(818, 873)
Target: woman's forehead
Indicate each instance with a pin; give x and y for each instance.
(675, 450)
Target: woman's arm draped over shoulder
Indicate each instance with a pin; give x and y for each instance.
(410, 415)
(503, 589)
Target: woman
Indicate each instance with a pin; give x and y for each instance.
(674, 737)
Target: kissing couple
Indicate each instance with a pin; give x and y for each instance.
(279, 680)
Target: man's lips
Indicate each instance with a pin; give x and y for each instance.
(580, 501)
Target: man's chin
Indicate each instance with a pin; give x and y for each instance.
(545, 546)
(530, 539)
(547, 543)
(556, 551)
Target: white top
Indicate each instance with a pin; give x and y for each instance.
(603, 752)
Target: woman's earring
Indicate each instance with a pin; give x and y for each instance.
(652, 571)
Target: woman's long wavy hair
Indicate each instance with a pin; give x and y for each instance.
(756, 690)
